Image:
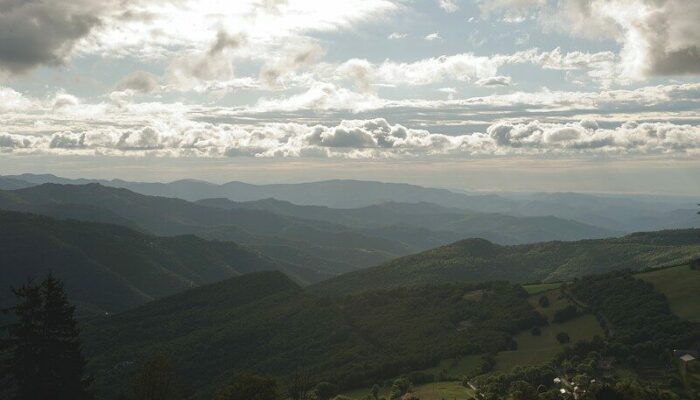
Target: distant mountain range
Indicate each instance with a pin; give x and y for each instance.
(109, 268)
(614, 213)
(326, 248)
(475, 260)
(329, 241)
(310, 243)
(437, 224)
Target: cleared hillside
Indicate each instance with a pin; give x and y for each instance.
(681, 286)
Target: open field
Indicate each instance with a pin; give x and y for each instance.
(456, 368)
(540, 349)
(443, 390)
(681, 285)
(429, 391)
(538, 288)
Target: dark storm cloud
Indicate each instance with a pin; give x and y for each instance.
(43, 32)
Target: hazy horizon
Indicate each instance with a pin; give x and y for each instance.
(455, 189)
(510, 95)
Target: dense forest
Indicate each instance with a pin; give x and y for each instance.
(265, 323)
(634, 314)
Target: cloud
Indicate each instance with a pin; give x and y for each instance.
(63, 100)
(321, 96)
(432, 36)
(225, 41)
(364, 138)
(657, 37)
(459, 67)
(210, 69)
(668, 38)
(587, 137)
(146, 138)
(11, 100)
(45, 32)
(153, 29)
(341, 137)
(291, 57)
(397, 35)
(67, 140)
(449, 6)
(9, 141)
(495, 81)
(451, 92)
(465, 67)
(139, 82)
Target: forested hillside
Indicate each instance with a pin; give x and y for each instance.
(479, 260)
(264, 323)
(320, 244)
(111, 268)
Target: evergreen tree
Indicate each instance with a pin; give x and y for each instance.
(45, 360)
(23, 343)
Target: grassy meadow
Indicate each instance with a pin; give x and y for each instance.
(541, 349)
(681, 285)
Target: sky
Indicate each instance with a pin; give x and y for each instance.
(500, 95)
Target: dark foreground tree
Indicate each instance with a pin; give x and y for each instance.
(157, 380)
(248, 386)
(42, 345)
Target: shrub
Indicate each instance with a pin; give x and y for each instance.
(563, 337)
(565, 314)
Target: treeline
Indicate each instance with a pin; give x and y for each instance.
(642, 331)
(638, 316)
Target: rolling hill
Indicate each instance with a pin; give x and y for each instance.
(320, 242)
(263, 322)
(480, 260)
(12, 183)
(330, 241)
(410, 222)
(109, 268)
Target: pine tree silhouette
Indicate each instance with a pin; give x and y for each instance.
(45, 360)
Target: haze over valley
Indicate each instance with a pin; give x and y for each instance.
(349, 200)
